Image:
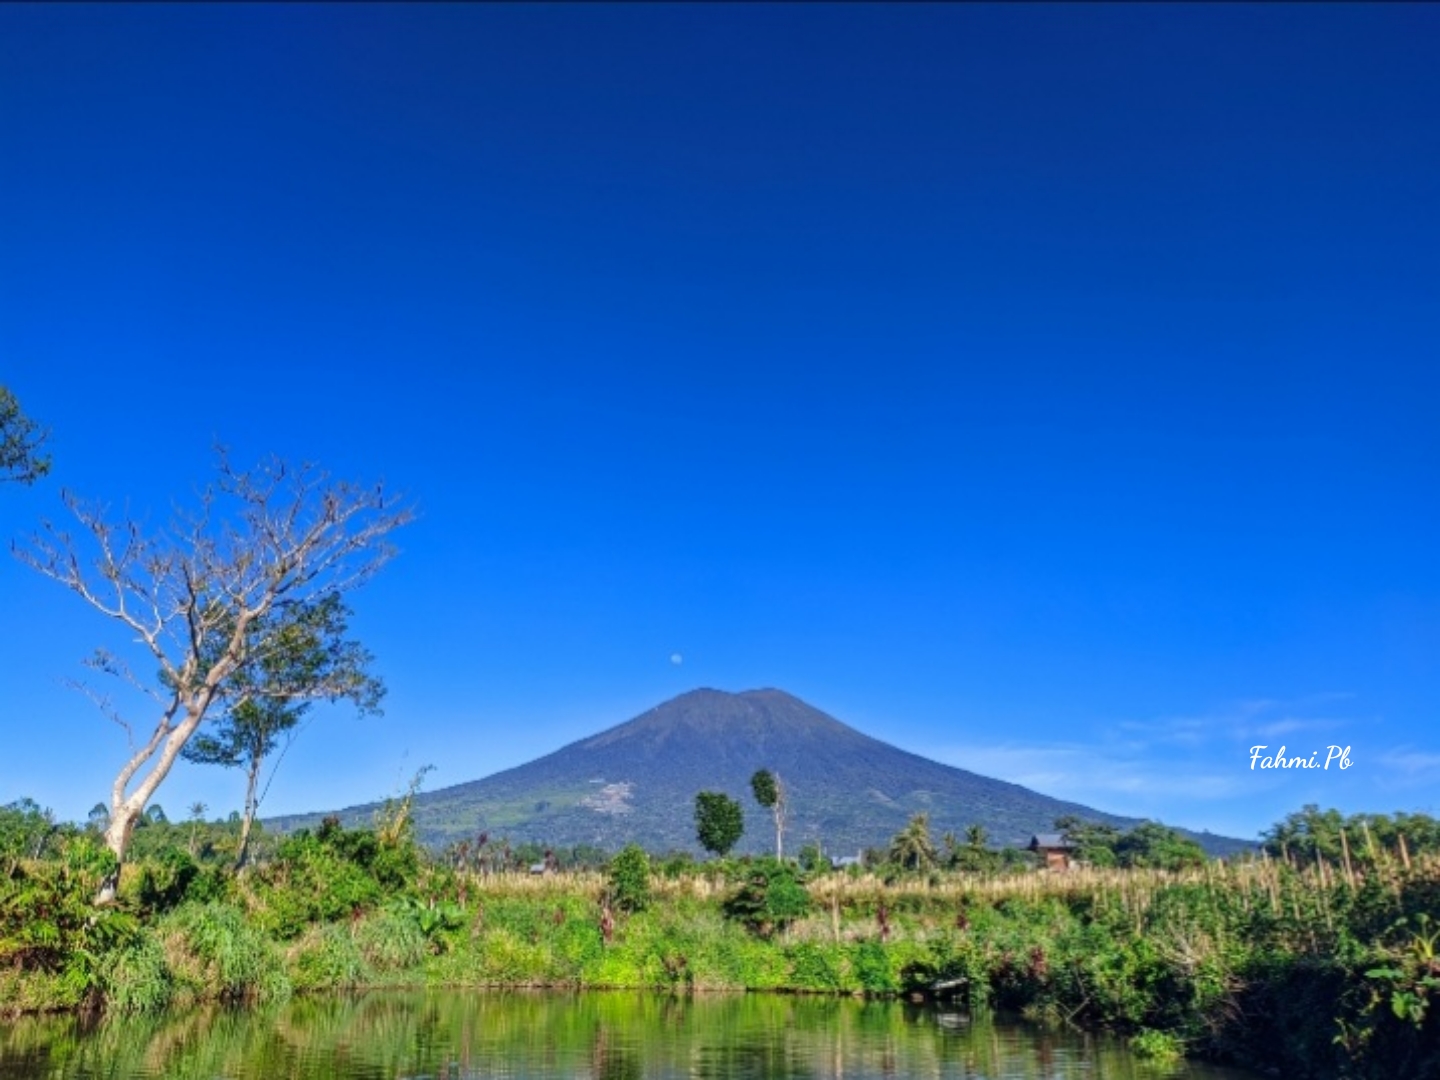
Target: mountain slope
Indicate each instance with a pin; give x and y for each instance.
(637, 782)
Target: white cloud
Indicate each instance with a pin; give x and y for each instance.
(1085, 773)
(1172, 767)
(1413, 764)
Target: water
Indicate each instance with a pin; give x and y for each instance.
(451, 1035)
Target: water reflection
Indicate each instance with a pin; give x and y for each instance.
(549, 1036)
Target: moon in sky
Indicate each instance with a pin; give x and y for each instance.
(676, 659)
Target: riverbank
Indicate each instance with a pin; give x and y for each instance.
(1264, 965)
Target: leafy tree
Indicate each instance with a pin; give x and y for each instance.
(812, 858)
(629, 878)
(20, 443)
(769, 899)
(1153, 845)
(300, 645)
(1094, 843)
(261, 545)
(974, 854)
(25, 829)
(719, 822)
(1310, 833)
(1305, 834)
(770, 794)
(911, 848)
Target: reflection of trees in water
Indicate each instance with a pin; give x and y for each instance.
(612, 1057)
(592, 1035)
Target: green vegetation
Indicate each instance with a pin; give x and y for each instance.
(911, 849)
(769, 792)
(1148, 844)
(1316, 968)
(20, 441)
(297, 649)
(719, 822)
(630, 879)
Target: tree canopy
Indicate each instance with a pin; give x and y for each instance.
(719, 822)
(21, 440)
(298, 645)
(770, 793)
(912, 848)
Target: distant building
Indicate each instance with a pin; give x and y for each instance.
(539, 868)
(845, 861)
(1054, 848)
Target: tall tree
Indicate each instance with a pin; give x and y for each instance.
(260, 542)
(770, 794)
(20, 442)
(911, 848)
(297, 646)
(719, 822)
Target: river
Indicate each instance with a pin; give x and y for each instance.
(454, 1035)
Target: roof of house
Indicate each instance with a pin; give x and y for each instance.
(1050, 840)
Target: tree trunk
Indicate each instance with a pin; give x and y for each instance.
(247, 819)
(123, 820)
(125, 810)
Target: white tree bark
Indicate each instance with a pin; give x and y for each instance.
(262, 538)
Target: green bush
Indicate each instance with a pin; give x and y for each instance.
(327, 958)
(314, 881)
(815, 967)
(391, 941)
(1158, 1046)
(161, 882)
(629, 879)
(769, 899)
(872, 969)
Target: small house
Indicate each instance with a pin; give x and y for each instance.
(1054, 848)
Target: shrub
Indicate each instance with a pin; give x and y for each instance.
(1158, 1046)
(136, 978)
(327, 958)
(629, 879)
(214, 953)
(391, 941)
(769, 899)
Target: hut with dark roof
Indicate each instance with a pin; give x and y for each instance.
(1055, 848)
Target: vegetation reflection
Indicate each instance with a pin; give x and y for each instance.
(599, 1035)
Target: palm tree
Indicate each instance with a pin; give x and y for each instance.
(911, 848)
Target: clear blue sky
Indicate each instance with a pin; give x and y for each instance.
(1048, 390)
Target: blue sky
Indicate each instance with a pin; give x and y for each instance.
(1047, 390)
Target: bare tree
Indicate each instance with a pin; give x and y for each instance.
(260, 543)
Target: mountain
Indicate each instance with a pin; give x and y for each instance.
(638, 781)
